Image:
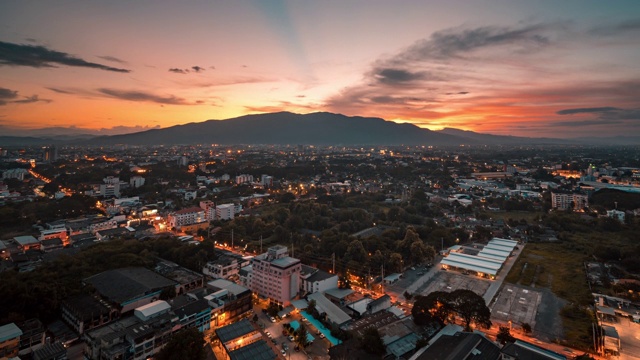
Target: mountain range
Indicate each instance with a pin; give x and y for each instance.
(320, 128)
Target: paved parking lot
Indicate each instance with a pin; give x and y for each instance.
(517, 304)
(451, 280)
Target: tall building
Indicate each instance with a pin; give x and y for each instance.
(562, 201)
(209, 208)
(50, 154)
(276, 275)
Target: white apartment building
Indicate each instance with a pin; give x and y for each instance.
(276, 275)
(244, 178)
(225, 211)
(136, 181)
(315, 280)
(563, 201)
(192, 215)
(222, 268)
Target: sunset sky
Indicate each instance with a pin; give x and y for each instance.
(526, 68)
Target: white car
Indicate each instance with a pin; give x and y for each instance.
(283, 352)
(321, 336)
(272, 319)
(291, 338)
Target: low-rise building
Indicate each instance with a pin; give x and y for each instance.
(85, 312)
(130, 288)
(519, 350)
(228, 301)
(9, 340)
(223, 267)
(192, 215)
(136, 337)
(315, 280)
(27, 242)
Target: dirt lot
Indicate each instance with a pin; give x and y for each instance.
(450, 281)
(517, 304)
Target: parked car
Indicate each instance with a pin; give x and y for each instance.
(321, 336)
(272, 319)
(291, 338)
(284, 353)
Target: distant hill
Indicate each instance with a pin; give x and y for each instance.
(288, 128)
(282, 128)
(489, 139)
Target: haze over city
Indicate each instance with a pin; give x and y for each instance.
(544, 68)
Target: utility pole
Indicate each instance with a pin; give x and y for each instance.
(442, 240)
(260, 244)
(231, 239)
(292, 249)
(333, 260)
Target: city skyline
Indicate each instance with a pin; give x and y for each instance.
(511, 68)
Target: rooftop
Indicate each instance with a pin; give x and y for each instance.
(234, 331)
(285, 262)
(25, 240)
(125, 284)
(9, 331)
(320, 276)
(461, 345)
(527, 351)
(189, 210)
(258, 350)
(334, 313)
(228, 285)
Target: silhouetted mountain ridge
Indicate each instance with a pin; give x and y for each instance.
(320, 128)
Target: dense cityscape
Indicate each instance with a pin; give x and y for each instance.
(413, 252)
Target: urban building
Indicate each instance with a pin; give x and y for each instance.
(135, 337)
(129, 288)
(616, 214)
(85, 312)
(27, 242)
(519, 349)
(314, 280)
(228, 301)
(225, 212)
(276, 275)
(9, 340)
(188, 216)
(136, 181)
(209, 208)
(224, 267)
(563, 201)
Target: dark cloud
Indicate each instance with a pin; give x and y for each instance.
(31, 99)
(6, 94)
(586, 110)
(457, 93)
(397, 76)
(628, 26)
(452, 43)
(60, 91)
(113, 59)
(197, 68)
(179, 71)
(40, 56)
(133, 95)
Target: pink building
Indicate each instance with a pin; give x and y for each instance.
(276, 275)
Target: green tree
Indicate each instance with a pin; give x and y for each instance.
(301, 336)
(471, 308)
(504, 335)
(395, 263)
(431, 308)
(185, 344)
(371, 342)
(526, 327)
(356, 252)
